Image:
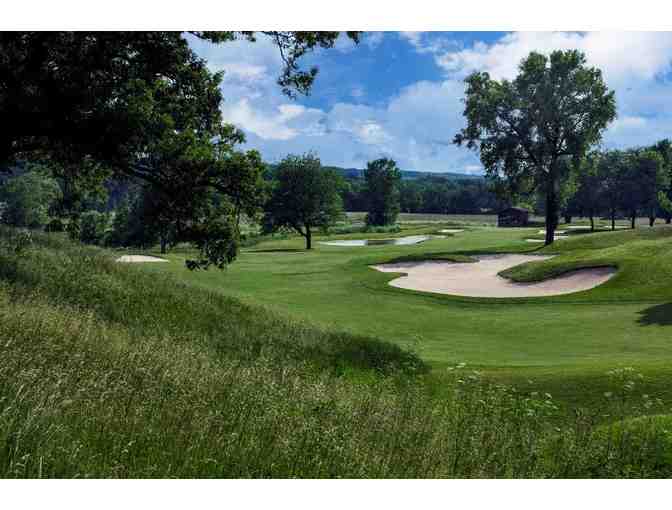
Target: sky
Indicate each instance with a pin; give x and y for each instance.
(399, 94)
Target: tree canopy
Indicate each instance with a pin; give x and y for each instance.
(557, 107)
(382, 191)
(304, 197)
(139, 105)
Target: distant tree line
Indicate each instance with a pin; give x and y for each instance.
(622, 183)
(432, 195)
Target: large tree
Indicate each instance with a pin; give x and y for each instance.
(382, 191)
(557, 107)
(140, 104)
(304, 197)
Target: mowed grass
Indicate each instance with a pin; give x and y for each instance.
(111, 370)
(564, 344)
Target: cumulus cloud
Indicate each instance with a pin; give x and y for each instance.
(373, 39)
(635, 64)
(416, 125)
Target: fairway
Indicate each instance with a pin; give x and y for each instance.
(564, 341)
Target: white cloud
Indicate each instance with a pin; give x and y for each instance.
(625, 123)
(622, 56)
(416, 126)
(373, 39)
(634, 64)
(272, 124)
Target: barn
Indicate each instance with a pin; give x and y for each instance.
(513, 217)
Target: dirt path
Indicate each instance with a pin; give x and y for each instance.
(480, 279)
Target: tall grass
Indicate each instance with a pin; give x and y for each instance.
(106, 371)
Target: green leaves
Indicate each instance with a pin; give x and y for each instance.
(304, 197)
(556, 108)
(382, 191)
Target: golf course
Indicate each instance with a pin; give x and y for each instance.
(182, 298)
(564, 343)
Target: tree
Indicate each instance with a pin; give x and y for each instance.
(611, 175)
(139, 104)
(644, 177)
(119, 232)
(28, 198)
(664, 148)
(382, 191)
(410, 196)
(304, 197)
(80, 90)
(555, 108)
(589, 188)
(92, 227)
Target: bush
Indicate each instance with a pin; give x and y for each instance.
(92, 227)
(27, 199)
(55, 225)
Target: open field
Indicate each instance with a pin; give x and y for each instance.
(564, 343)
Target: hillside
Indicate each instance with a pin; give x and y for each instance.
(406, 174)
(108, 371)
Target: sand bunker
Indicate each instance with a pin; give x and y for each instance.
(139, 258)
(480, 279)
(377, 242)
(555, 238)
(556, 232)
(597, 227)
(451, 230)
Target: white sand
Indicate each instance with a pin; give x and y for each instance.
(480, 279)
(555, 238)
(451, 230)
(556, 232)
(597, 227)
(397, 241)
(139, 258)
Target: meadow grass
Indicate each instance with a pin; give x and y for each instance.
(109, 370)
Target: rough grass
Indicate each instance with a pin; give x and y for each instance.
(110, 371)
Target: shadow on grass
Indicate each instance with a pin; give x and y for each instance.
(659, 314)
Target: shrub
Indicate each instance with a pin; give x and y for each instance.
(92, 227)
(55, 225)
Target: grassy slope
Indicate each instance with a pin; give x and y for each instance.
(108, 371)
(564, 344)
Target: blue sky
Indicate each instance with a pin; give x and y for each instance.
(398, 94)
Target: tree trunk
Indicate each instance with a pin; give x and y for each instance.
(668, 220)
(551, 208)
(592, 223)
(633, 217)
(568, 218)
(652, 220)
(613, 220)
(163, 244)
(309, 239)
